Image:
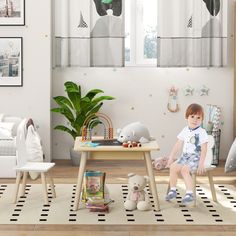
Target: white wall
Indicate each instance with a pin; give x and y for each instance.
(33, 99)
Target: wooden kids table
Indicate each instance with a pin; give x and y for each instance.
(115, 153)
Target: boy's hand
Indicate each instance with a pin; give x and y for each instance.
(201, 169)
(169, 162)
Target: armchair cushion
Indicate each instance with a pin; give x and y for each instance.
(6, 130)
(230, 164)
(13, 119)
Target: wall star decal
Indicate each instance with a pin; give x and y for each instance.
(188, 90)
(204, 90)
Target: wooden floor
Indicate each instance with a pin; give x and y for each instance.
(117, 172)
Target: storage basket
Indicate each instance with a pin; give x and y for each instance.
(216, 149)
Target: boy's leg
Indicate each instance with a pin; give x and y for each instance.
(174, 170)
(188, 180)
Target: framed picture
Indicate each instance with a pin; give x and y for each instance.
(12, 12)
(11, 60)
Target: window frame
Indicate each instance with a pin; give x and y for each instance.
(137, 36)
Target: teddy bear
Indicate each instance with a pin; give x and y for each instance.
(134, 132)
(137, 198)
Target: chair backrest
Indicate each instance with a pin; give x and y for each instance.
(20, 143)
(209, 154)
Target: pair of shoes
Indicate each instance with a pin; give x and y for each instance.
(171, 195)
(187, 198)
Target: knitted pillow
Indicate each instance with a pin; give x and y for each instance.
(230, 164)
(34, 148)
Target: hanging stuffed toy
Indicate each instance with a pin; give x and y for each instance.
(173, 105)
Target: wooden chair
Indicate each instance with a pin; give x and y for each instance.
(24, 167)
(208, 168)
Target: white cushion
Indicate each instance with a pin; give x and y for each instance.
(230, 164)
(13, 119)
(33, 148)
(1, 117)
(6, 130)
(209, 154)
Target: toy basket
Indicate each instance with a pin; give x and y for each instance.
(216, 149)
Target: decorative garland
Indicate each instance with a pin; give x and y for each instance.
(173, 105)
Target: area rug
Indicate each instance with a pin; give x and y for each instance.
(31, 210)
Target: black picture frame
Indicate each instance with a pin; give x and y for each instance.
(12, 12)
(11, 61)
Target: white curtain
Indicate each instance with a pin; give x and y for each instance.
(89, 33)
(192, 33)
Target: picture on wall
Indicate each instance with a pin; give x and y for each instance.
(11, 61)
(12, 12)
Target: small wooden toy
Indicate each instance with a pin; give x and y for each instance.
(130, 144)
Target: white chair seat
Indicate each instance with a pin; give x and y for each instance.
(36, 167)
(212, 167)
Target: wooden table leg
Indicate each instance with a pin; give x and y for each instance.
(44, 185)
(51, 182)
(15, 195)
(212, 186)
(152, 180)
(25, 175)
(82, 166)
(194, 176)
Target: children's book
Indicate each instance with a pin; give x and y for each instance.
(93, 187)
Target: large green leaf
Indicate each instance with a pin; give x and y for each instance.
(92, 93)
(101, 98)
(74, 94)
(79, 121)
(63, 101)
(64, 111)
(65, 129)
(95, 101)
(94, 109)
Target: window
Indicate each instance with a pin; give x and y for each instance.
(140, 32)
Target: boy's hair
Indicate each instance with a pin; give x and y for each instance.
(194, 109)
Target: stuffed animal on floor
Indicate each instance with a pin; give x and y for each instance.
(137, 198)
(160, 163)
(134, 132)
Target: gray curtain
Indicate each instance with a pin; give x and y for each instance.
(89, 33)
(192, 33)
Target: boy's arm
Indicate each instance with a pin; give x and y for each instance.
(201, 167)
(177, 147)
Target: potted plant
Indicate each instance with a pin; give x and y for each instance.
(76, 108)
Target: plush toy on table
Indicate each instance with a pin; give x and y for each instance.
(134, 135)
(130, 144)
(137, 198)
